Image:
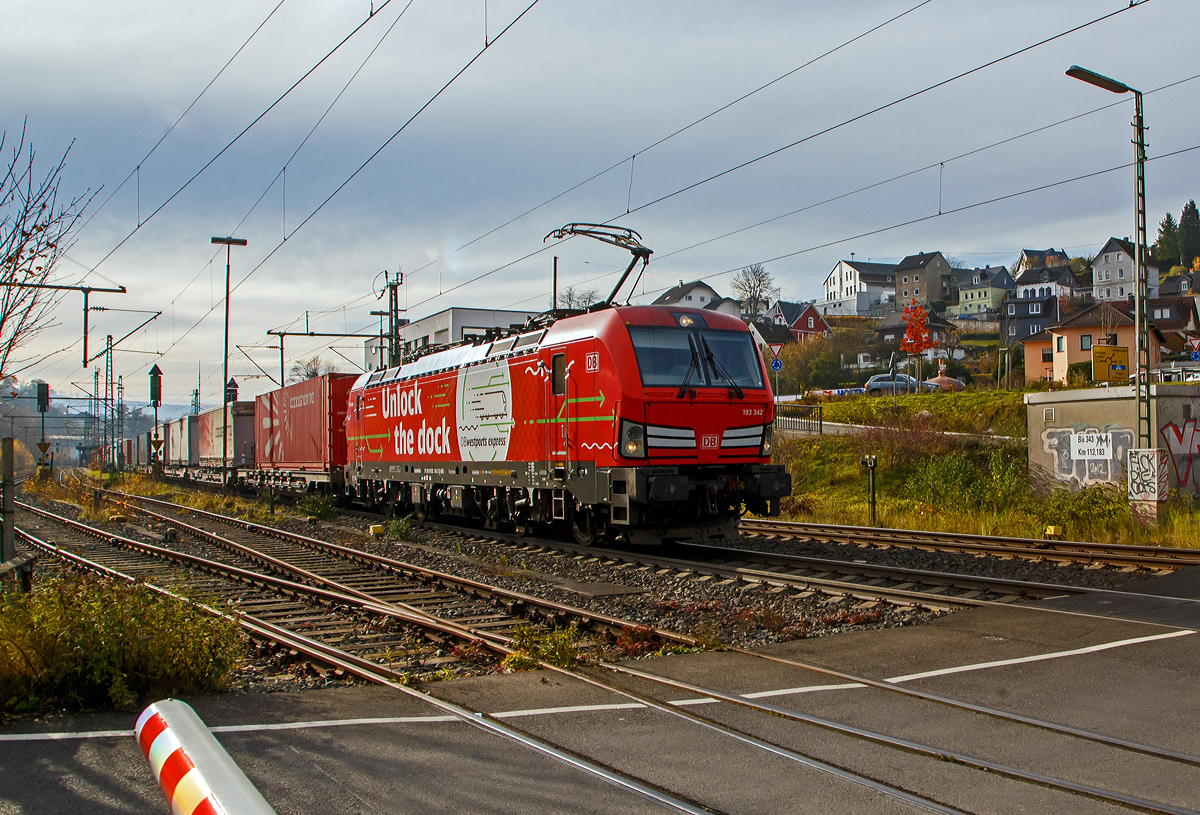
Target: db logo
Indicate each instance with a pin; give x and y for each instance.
(708, 442)
(592, 363)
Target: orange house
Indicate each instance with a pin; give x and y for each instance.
(1049, 353)
(1039, 356)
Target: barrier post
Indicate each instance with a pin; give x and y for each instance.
(193, 769)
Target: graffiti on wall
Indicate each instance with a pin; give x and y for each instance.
(1183, 446)
(1080, 473)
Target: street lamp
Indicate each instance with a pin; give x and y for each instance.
(1141, 333)
(227, 242)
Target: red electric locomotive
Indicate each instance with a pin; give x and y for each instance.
(645, 422)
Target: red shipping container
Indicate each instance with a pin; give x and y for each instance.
(239, 430)
(303, 426)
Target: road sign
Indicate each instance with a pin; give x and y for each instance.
(1196, 356)
(775, 347)
(777, 364)
(1194, 342)
(156, 443)
(43, 446)
(1110, 363)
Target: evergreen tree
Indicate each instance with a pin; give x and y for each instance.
(1189, 235)
(1166, 248)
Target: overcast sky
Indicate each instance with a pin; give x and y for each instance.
(568, 91)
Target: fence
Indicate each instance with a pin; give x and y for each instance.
(805, 418)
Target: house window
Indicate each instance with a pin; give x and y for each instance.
(1060, 344)
(1118, 257)
(689, 297)
(1121, 291)
(810, 322)
(916, 278)
(975, 280)
(1107, 259)
(916, 292)
(1112, 340)
(1085, 342)
(1035, 308)
(1011, 309)
(1035, 328)
(702, 298)
(1047, 356)
(1012, 331)
(1120, 274)
(1108, 292)
(906, 292)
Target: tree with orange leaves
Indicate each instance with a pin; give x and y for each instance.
(916, 334)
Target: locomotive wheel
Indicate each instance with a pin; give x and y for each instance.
(583, 526)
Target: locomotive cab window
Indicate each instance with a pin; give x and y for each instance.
(558, 373)
(669, 357)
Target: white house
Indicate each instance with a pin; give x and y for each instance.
(853, 287)
(1113, 274)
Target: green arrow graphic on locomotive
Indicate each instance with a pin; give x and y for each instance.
(559, 419)
(367, 439)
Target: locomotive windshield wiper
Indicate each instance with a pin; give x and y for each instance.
(693, 367)
(720, 369)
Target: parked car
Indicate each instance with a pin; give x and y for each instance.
(899, 383)
(946, 384)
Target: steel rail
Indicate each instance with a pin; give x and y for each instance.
(356, 666)
(383, 676)
(995, 713)
(894, 742)
(1029, 548)
(966, 760)
(860, 591)
(517, 599)
(412, 617)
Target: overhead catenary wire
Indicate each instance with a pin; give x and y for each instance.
(912, 221)
(749, 162)
(243, 132)
(918, 170)
(831, 128)
(295, 152)
(136, 170)
(692, 124)
(362, 166)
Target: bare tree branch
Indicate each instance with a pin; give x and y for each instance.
(570, 297)
(756, 288)
(310, 368)
(34, 230)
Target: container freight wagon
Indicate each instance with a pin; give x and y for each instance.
(181, 448)
(141, 451)
(300, 434)
(239, 433)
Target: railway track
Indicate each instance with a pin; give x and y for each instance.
(1112, 554)
(347, 597)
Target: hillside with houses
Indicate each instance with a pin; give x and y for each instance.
(1037, 319)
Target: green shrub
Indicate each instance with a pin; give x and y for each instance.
(558, 647)
(319, 505)
(400, 528)
(84, 642)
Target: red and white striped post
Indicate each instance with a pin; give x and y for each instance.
(195, 773)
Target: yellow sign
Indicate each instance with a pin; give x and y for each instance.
(1110, 363)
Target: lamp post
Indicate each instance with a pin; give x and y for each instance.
(227, 242)
(1141, 333)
